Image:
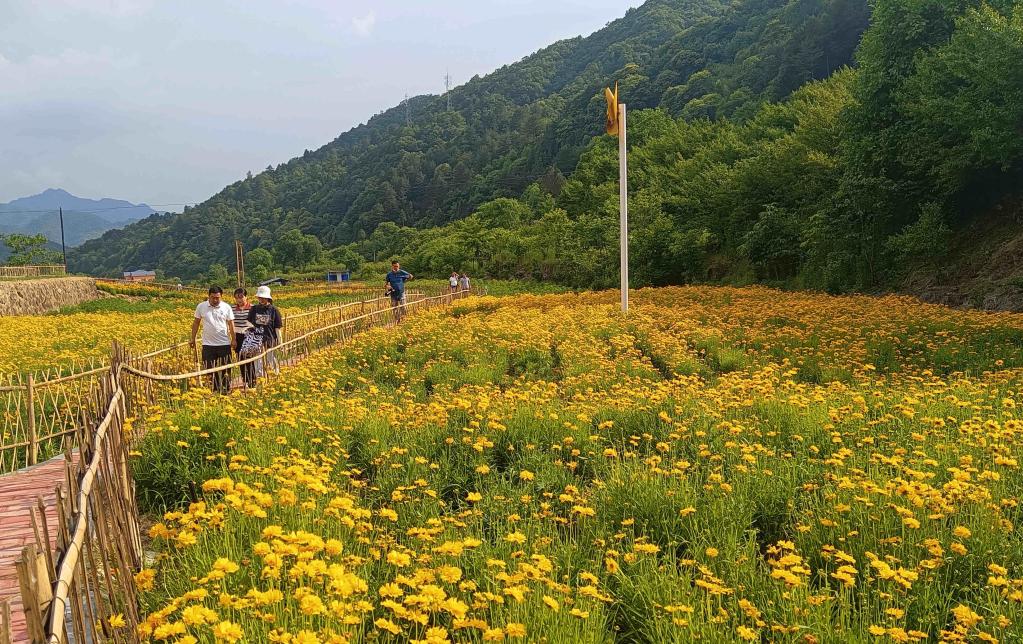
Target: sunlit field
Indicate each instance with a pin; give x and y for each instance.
(722, 465)
(141, 317)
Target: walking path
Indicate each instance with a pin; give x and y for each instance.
(19, 493)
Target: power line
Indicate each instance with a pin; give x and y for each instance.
(54, 210)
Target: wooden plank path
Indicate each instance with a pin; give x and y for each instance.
(19, 493)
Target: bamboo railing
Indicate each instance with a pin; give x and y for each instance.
(41, 410)
(148, 383)
(42, 270)
(84, 590)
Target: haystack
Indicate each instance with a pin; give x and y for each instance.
(31, 297)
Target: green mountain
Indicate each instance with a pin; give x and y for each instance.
(905, 173)
(531, 121)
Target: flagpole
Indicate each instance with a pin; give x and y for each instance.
(623, 206)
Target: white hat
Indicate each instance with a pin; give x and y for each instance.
(263, 292)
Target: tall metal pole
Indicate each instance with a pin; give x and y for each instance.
(63, 249)
(623, 205)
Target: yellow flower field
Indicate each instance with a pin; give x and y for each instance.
(722, 465)
(151, 320)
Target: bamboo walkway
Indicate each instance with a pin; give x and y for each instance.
(19, 492)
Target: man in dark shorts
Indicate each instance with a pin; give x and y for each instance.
(395, 281)
(218, 336)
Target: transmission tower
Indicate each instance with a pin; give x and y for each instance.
(447, 87)
(408, 114)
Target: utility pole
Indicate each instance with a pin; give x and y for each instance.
(239, 263)
(447, 87)
(623, 206)
(63, 249)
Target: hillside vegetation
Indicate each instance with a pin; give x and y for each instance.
(526, 121)
(761, 149)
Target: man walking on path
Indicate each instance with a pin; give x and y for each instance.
(463, 282)
(218, 334)
(396, 288)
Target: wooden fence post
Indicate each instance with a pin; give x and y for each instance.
(33, 441)
(5, 622)
(36, 591)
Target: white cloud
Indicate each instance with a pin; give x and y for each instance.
(363, 25)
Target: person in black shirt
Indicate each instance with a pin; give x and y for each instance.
(266, 320)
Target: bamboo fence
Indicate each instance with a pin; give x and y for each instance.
(83, 590)
(42, 270)
(41, 410)
(162, 382)
(160, 286)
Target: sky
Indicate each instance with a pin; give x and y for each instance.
(168, 102)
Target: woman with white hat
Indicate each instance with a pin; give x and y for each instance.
(265, 319)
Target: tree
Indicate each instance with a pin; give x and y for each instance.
(217, 275)
(298, 250)
(29, 249)
(259, 258)
(347, 258)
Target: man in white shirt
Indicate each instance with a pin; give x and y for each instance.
(218, 336)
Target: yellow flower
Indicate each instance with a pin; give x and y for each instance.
(311, 605)
(526, 475)
(387, 625)
(305, 637)
(227, 631)
(551, 603)
(962, 532)
(473, 497)
(116, 621)
(225, 565)
(746, 633)
(144, 579)
(398, 559)
(196, 615)
(711, 552)
(514, 629)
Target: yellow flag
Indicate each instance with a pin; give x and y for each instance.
(611, 125)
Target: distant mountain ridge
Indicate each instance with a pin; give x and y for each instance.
(84, 218)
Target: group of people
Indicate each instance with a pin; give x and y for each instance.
(247, 329)
(458, 282)
(394, 286)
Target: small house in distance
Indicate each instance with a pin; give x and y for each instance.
(339, 276)
(274, 281)
(139, 276)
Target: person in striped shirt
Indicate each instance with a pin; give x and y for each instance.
(241, 327)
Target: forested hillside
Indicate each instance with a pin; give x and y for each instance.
(905, 172)
(531, 121)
